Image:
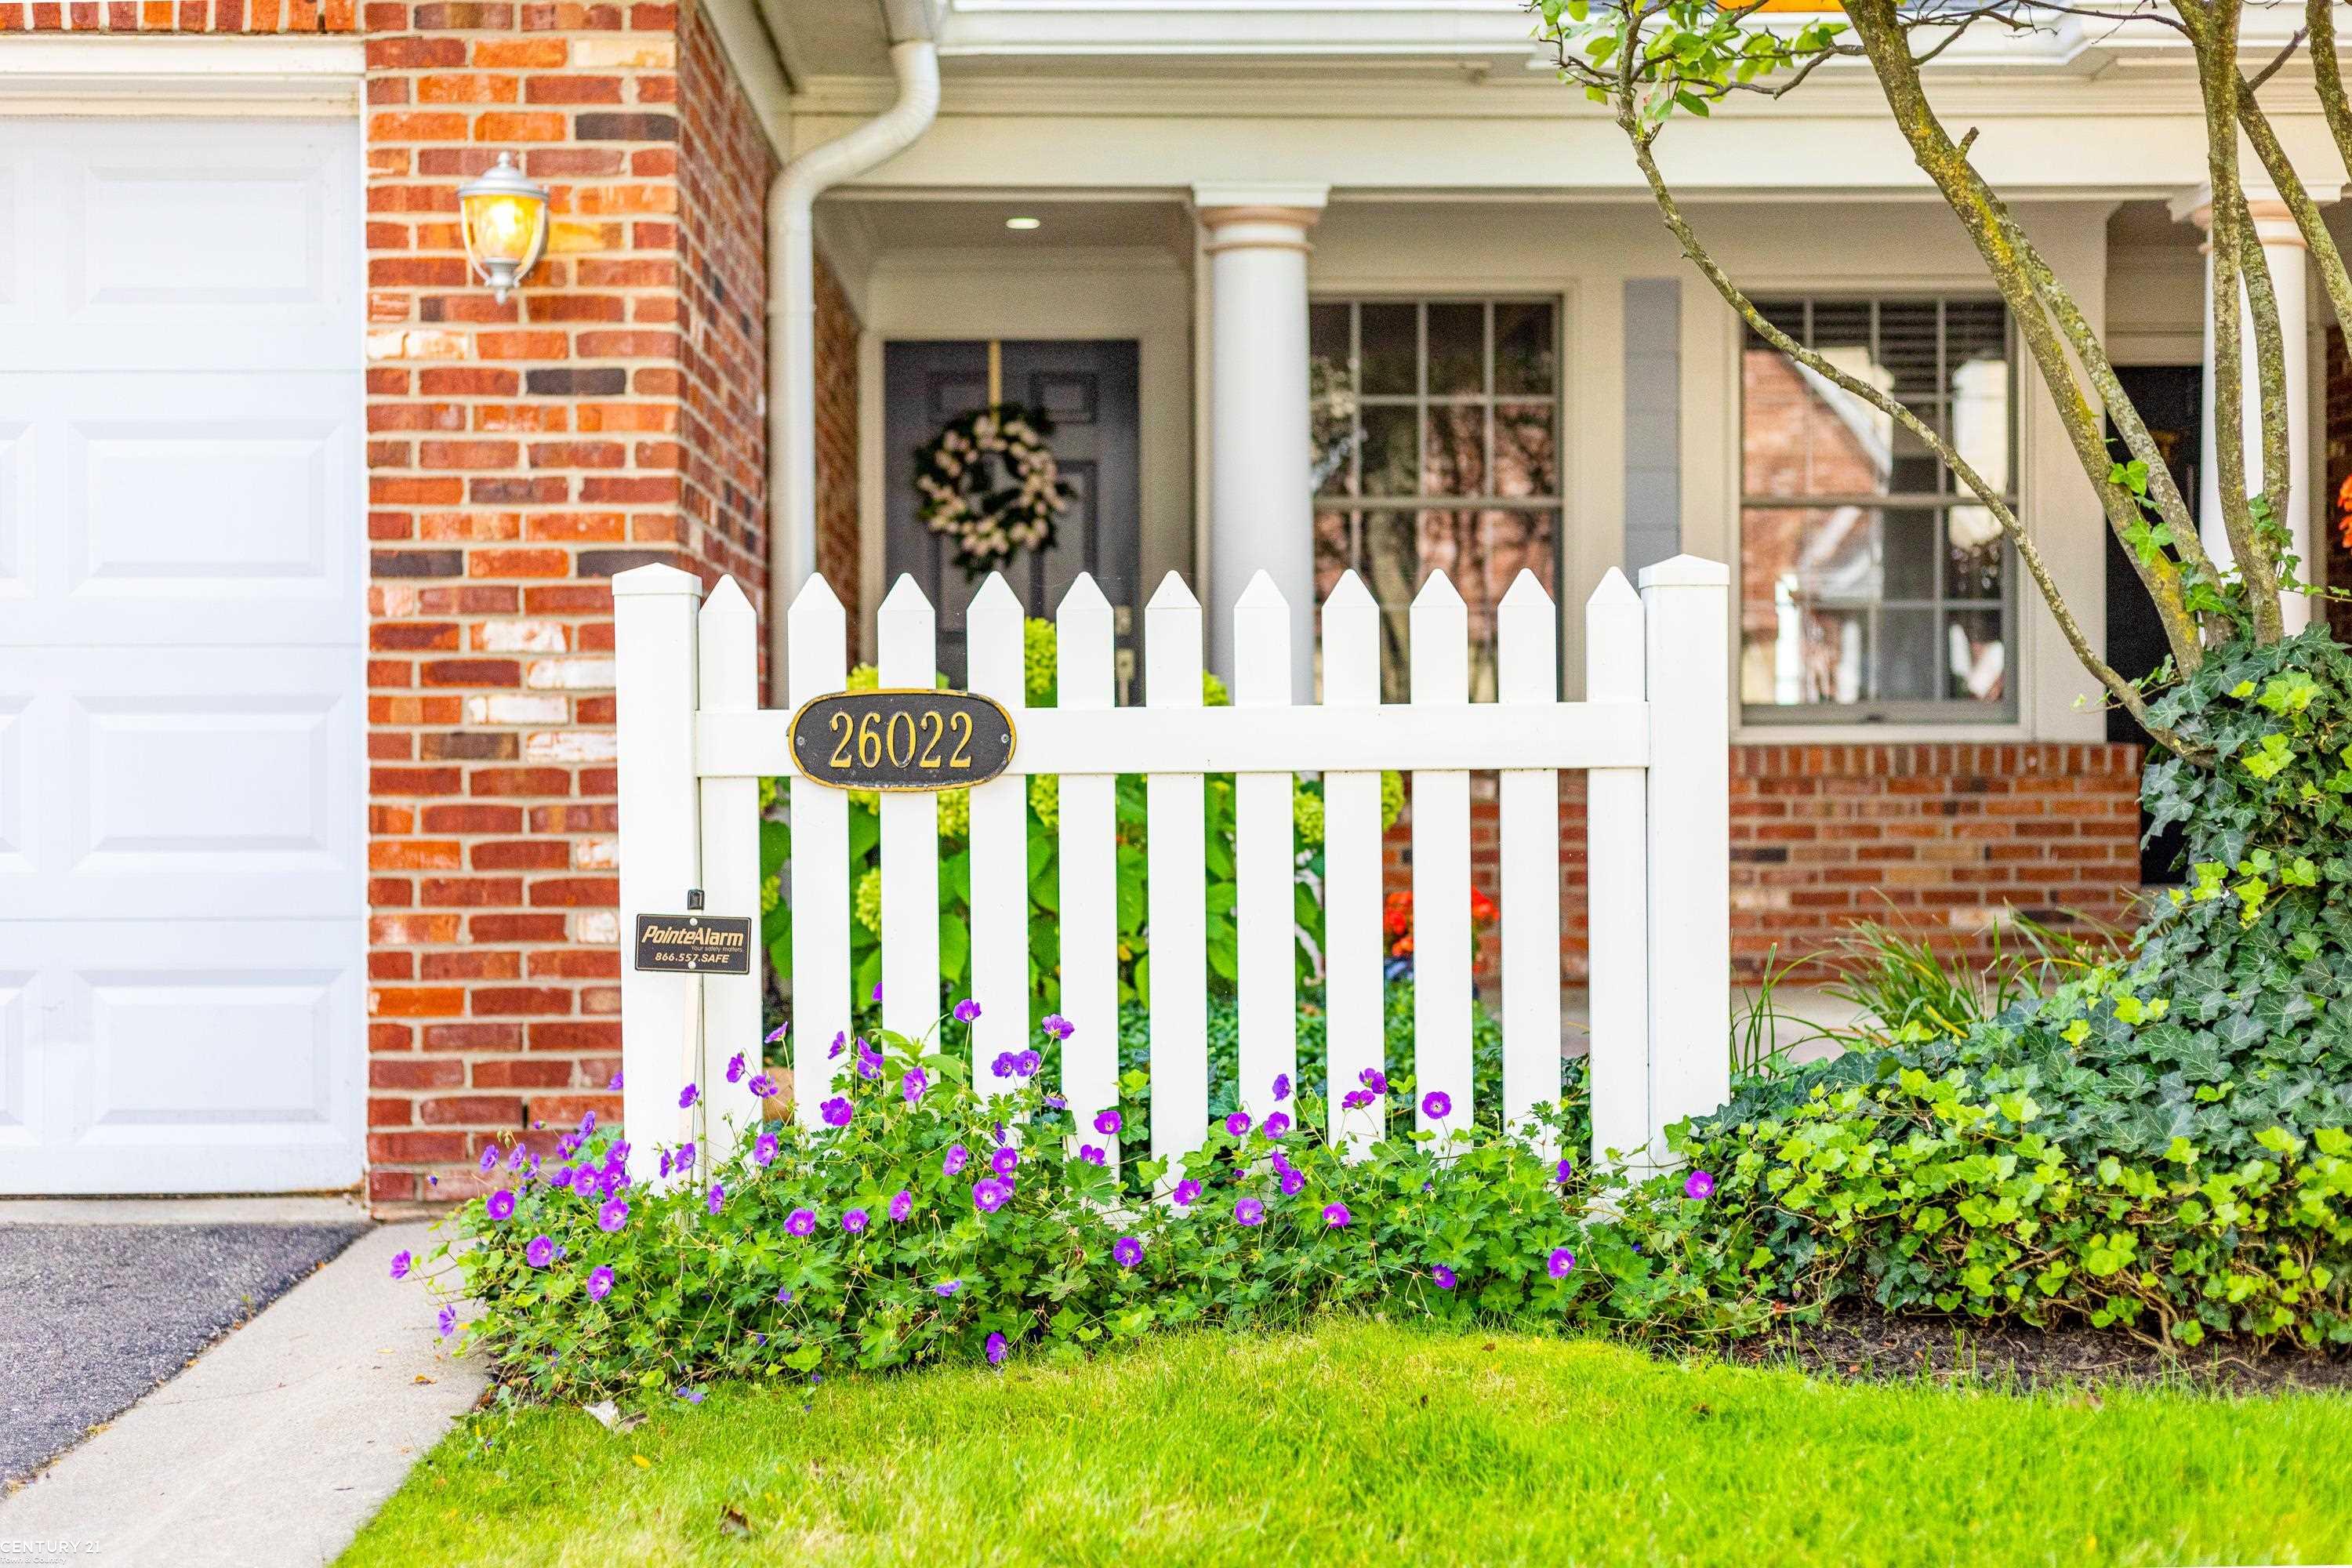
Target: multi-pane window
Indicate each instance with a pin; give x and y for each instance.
(1872, 587)
(1436, 432)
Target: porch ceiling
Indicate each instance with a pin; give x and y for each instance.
(887, 227)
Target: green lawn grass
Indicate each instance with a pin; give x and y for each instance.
(1363, 1442)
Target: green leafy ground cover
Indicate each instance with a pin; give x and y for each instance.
(1364, 1442)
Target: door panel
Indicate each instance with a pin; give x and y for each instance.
(1088, 388)
(182, 818)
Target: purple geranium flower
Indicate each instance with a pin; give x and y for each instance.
(1281, 1086)
(988, 1194)
(778, 1033)
(735, 1068)
(540, 1252)
(1004, 1160)
(1292, 1180)
(1698, 1184)
(1373, 1079)
(686, 1156)
(877, 991)
(1437, 1105)
(854, 1220)
(448, 1321)
(400, 1262)
(836, 1111)
(1237, 1124)
(501, 1204)
(946, 1288)
(995, 1349)
(1027, 1063)
(1107, 1122)
(1090, 1155)
(615, 1085)
(614, 1215)
(1442, 1277)
(1004, 1066)
(1565, 1170)
(764, 1149)
(783, 1295)
(718, 1199)
(665, 1162)
(687, 1096)
(567, 1145)
(515, 1159)
(957, 1158)
(869, 1061)
(1057, 1026)
(600, 1281)
(762, 1086)
(1186, 1192)
(1276, 1125)
(801, 1222)
(691, 1396)
(1127, 1251)
(489, 1160)
(1560, 1261)
(1356, 1098)
(1335, 1216)
(1055, 1103)
(966, 1011)
(1249, 1211)
(902, 1204)
(917, 1081)
(840, 1044)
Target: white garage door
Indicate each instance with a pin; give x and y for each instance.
(181, 541)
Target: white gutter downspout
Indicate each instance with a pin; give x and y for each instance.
(792, 323)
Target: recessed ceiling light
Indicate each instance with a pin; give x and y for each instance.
(1022, 223)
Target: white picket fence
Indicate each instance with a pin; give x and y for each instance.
(694, 743)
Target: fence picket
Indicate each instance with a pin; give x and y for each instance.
(1089, 889)
(1266, 869)
(1527, 674)
(910, 832)
(1354, 1006)
(1617, 902)
(1440, 865)
(1179, 957)
(819, 638)
(1000, 847)
(729, 630)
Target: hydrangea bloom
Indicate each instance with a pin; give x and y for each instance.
(995, 1349)
(1004, 1160)
(540, 1252)
(854, 1220)
(718, 1199)
(837, 1111)
(946, 1288)
(917, 1081)
(1276, 1125)
(801, 1222)
(612, 1216)
(1249, 1211)
(1698, 1184)
(1437, 1105)
(1442, 1277)
(957, 1158)
(400, 1262)
(1335, 1216)
(1238, 1123)
(967, 1011)
(1057, 1026)
(735, 1068)
(501, 1204)
(1560, 1261)
(1127, 1251)
(988, 1194)
(1107, 1122)
(1281, 1086)
(764, 1149)
(600, 1282)
(902, 1204)
(1186, 1192)
(685, 1095)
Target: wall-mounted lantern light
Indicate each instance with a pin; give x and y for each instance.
(505, 224)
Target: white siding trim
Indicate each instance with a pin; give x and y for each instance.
(79, 74)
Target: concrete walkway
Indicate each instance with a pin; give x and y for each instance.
(277, 1445)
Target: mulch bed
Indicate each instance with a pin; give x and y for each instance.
(1858, 1341)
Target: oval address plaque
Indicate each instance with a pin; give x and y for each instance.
(905, 738)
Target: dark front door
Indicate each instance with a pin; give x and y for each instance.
(1089, 389)
(2168, 398)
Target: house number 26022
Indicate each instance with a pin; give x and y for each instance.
(902, 738)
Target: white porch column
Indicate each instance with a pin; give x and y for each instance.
(1261, 517)
(2284, 248)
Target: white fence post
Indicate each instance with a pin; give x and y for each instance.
(999, 845)
(1528, 672)
(1687, 614)
(1180, 945)
(729, 631)
(1090, 891)
(1264, 865)
(1355, 1011)
(910, 833)
(1616, 891)
(1440, 865)
(819, 636)
(653, 707)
